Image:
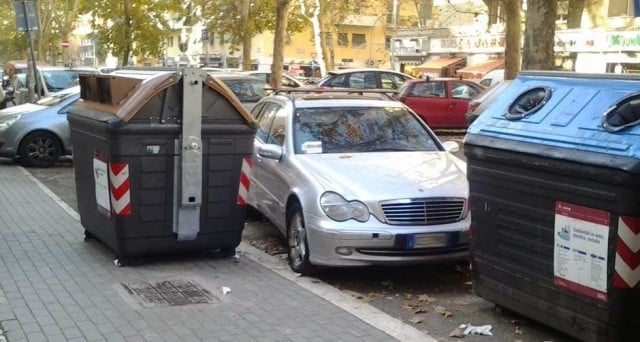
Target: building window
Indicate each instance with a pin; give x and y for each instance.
(620, 8)
(343, 39)
(170, 41)
(358, 41)
(387, 42)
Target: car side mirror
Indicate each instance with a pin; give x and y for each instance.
(270, 151)
(451, 146)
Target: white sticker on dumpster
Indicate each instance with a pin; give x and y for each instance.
(101, 179)
(581, 249)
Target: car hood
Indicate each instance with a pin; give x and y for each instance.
(21, 109)
(389, 175)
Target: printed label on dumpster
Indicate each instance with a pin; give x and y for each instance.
(581, 249)
(101, 180)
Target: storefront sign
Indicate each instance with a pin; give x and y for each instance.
(488, 43)
(597, 41)
(581, 249)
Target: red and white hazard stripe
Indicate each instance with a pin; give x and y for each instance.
(245, 172)
(627, 273)
(120, 188)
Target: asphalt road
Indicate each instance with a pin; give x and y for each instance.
(433, 298)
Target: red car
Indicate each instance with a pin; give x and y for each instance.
(440, 102)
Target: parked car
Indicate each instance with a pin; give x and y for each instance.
(37, 134)
(492, 78)
(440, 102)
(50, 79)
(364, 79)
(482, 101)
(287, 81)
(248, 89)
(356, 180)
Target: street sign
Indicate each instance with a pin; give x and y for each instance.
(26, 18)
(65, 44)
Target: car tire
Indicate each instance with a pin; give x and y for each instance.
(297, 242)
(40, 149)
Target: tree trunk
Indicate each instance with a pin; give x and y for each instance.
(493, 7)
(540, 28)
(282, 15)
(246, 37)
(574, 13)
(127, 36)
(513, 38)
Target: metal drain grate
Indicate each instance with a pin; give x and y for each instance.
(170, 292)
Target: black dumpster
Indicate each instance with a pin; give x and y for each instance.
(158, 157)
(554, 172)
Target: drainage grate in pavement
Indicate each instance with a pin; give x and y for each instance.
(169, 292)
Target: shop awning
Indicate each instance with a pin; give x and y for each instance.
(410, 60)
(436, 65)
(479, 70)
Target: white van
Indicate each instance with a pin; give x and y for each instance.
(492, 78)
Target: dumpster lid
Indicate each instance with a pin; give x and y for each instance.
(125, 92)
(569, 111)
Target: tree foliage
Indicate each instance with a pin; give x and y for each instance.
(56, 20)
(132, 27)
(225, 18)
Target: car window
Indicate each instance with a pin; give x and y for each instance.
(358, 129)
(262, 76)
(277, 131)
(337, 81)
(57, 80)
(391, 81)
(485, 82)
(428, 89)
(256, 111)
(357, 80)
(287, 82)
(265, 119)
(460, 90)
(247, 90)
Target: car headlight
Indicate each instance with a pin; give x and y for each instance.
(7, 121)
(339, 209)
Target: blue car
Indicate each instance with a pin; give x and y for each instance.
(37, 134)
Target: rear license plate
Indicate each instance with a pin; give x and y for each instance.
(433, 240)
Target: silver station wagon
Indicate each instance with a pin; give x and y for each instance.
(357, 179)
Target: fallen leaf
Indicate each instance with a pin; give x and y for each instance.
(444, 312)
(408, 307)
(515, 321)
(416, 320)
(421, 310)
(518, 331)
(456, 333)
(461, 302)
(411, 304)
(468, 283)
(353, 294)
(425, 298)
(408, 296)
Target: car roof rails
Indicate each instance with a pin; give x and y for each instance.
(349, 91)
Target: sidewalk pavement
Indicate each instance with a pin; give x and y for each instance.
(54, 286)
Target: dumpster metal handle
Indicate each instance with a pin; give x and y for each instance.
(189, 160)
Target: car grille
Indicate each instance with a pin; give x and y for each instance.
(424, 211)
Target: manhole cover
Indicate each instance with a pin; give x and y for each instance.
(169, 292)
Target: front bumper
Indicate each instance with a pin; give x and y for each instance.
(374, 243)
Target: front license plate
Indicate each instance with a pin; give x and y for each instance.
(433, 240)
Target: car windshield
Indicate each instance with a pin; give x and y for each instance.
(359, 129)
(247, 90)
(57, 80)
(54, 99)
